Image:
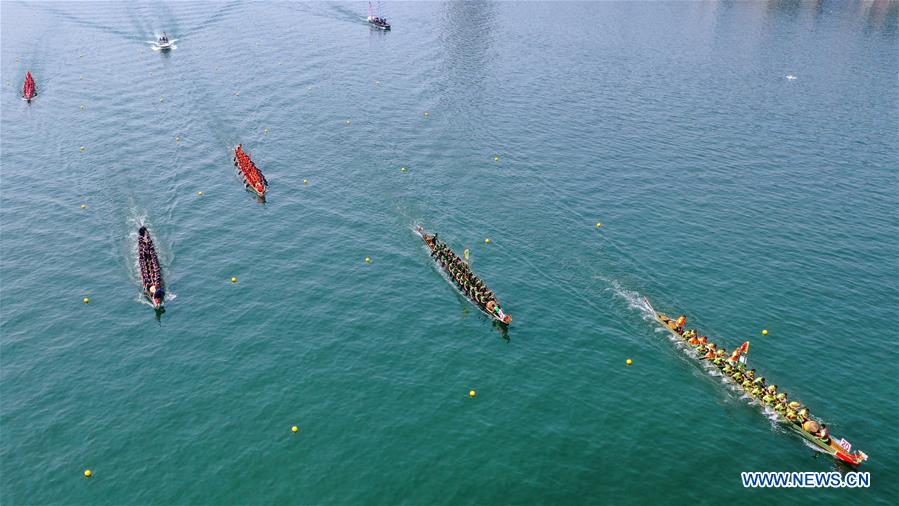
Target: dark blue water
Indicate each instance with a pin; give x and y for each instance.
(726, 191)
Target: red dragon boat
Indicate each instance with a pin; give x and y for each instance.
(252, 178)
(28, 89)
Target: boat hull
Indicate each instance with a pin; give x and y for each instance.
(150, 270)
(830, 447)
(482, 307)
(250, 174)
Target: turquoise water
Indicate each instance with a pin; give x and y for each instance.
(726, 191)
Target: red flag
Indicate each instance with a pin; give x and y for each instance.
(745, 347)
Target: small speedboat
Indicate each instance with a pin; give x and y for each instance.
(164, 43)
(378, 21)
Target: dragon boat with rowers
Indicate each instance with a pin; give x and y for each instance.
(150, 271)
(733, 367)
(464, 279)
(252, 177)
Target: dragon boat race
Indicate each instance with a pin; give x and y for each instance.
(462, 252)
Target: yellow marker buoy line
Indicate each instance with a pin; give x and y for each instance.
(403, 170)
(598, 225)
(368, 260)
(234, 280)
(305, 181)
(86, 300)
(83, 206)
(629, 362)
(764, 332)
(487, 241)
(472, 394)
(200, 194)
(294, 429)
(88, 473)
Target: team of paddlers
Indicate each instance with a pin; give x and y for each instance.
(467, 281)
(150, 272)
(753, 384)
(252, 177)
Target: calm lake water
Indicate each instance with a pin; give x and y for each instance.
(727, 191)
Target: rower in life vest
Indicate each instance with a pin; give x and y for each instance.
(493, 308)
(679, 324)
(822, 434)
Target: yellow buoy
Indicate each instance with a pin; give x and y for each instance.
(86, 300)
(294, 429)
(162, 99)
(82, 107)
(88, 473)
(487, 241)
(234, 280)
(368, 260)
(200, 193)
(178, 139)
(472, 394)
(348, 122)
(305, 181)
(495, 158)
(236, 93)
(427, 114)
(402, 169)
(598, 225)
(265, 131)
(83, 206)
(82, 148)
(81, 78)
(629, 362)
(764, 332)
